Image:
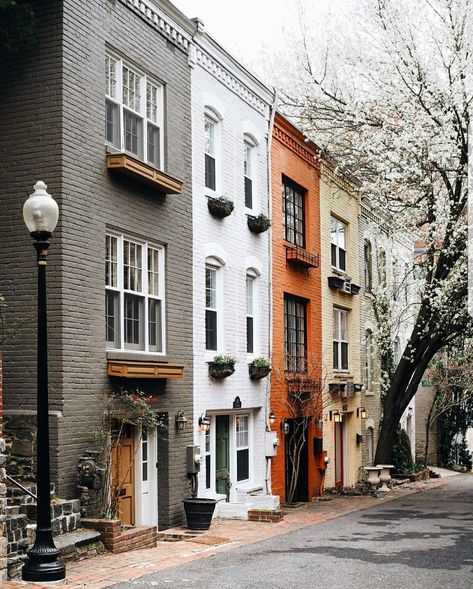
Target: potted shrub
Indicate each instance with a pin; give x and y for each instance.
(259, 368)
(222, 366)
(258, 224)
(219, 207)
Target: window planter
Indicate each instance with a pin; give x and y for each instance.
(219, 207)
(258, 372)
(222, 366)
(258, 224)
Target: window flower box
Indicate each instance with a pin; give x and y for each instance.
(259, 368)
(220, 207)
(222, 366)
(258, 224)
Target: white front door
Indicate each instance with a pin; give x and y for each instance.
(146, 477)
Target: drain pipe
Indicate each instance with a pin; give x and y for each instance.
(272, 114)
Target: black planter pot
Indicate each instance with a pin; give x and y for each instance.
(199, 512)
(219, 207)
(257, 372)
(258, 224)
(220, 370)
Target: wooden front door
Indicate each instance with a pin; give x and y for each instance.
(123, 478)
(339, 451)
(222, 459)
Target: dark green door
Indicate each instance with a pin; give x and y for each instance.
(222, 461)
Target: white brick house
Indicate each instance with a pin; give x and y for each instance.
(230, 123)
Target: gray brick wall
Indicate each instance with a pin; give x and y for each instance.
(56, 100)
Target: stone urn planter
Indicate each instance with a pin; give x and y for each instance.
(385, 476)
(219, 207)
(258, 224)
(373, 476)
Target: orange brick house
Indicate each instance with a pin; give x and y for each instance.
(296, 320)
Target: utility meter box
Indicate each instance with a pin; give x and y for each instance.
(193, 459)
(271, 443)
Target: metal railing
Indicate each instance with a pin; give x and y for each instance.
(20, 486)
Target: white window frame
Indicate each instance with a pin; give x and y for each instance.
(369, 360)
(143, 293)
(337, 338)
(141, 112)
(250, 144)
(211, 116)
(213, 264)
(252, 276)
(248, 446)
(336, 240)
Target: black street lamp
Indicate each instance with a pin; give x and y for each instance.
(41, 214)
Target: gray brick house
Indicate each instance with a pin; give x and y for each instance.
(99, 108)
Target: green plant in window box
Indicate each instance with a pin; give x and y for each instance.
(258, 224)
(259, 368)
(222, 366)
(220, 207)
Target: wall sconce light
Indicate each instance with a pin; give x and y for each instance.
(337, 416)
(271, 418)
(181, 421)
(319, 423)
(204, 423)
(361, 412)
(285, 427)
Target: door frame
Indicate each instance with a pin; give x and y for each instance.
(146, 514)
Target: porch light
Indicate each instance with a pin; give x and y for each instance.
(285, 427)
(271, 418)
(361, 412)
(204, 423)
(319, 423)
(336, 416)
(181, 421)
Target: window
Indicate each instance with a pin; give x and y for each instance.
(250, 318)
(293, 198)
(340, 339)
(242, 447)
(133, 111)
(382, 267)
(367, 254)
(134, 295)
(295, 346)
(210, 154)
(338, 232)
(211, 310)
(249, 152)
(396, 351)
(144, 456)
(369, 445)
(369, 361)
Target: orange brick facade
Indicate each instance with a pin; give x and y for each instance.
(295, 159)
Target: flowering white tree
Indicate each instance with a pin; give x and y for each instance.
(389, 100)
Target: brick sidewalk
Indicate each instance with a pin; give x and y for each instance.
(224, 535)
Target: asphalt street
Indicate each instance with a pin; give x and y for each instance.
(424, 541)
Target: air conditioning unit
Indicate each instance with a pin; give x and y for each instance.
(347, 287)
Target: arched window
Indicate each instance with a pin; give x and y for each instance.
(382, 267)
(251, 311)
(213, 304)
(396, 351)
(369, 359)
(368, 265)
(212, 149)
(250, 170)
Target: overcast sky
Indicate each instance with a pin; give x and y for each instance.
(248, 28)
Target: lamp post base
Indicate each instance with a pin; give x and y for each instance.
(43, 565)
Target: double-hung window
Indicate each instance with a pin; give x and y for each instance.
(368, 262)
(340, 339)
(249, 152)
(133, 111)
(210, 130)
(295, 340)
(338, 234)
(250, 313)
(369, 361)
(211, 307)
(242, 447)
(134, 294)
(293, 202)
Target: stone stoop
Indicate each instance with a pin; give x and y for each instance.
(249, 501)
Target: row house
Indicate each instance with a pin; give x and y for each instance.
(296, 312)
(104, 120)
(340, 212)
(230, 124)
(386, 281)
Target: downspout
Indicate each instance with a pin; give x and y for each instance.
(272, 114)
